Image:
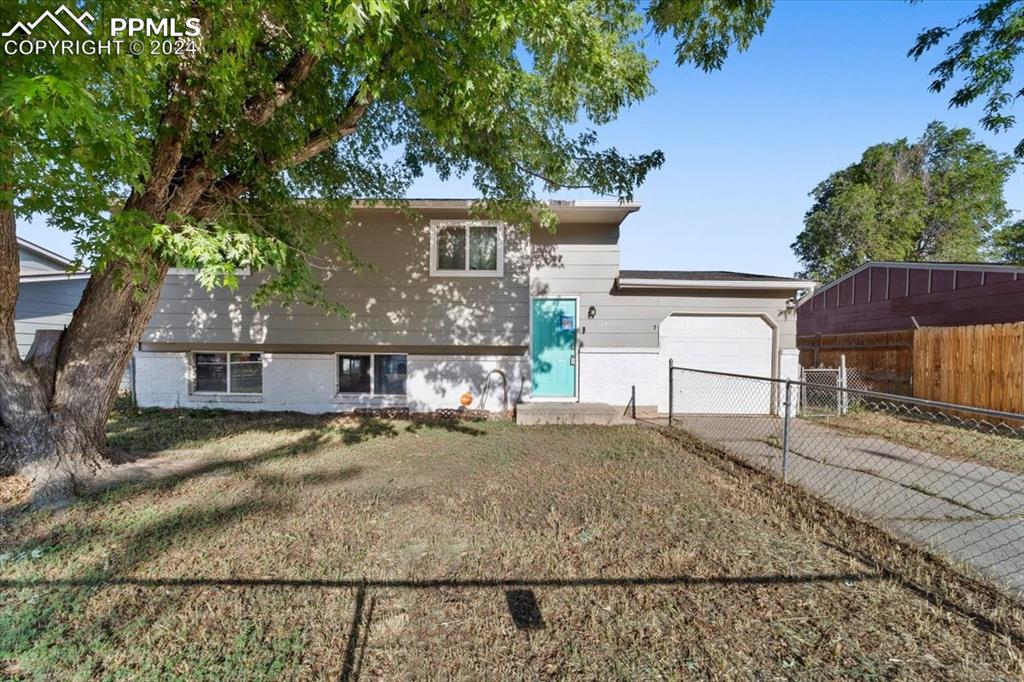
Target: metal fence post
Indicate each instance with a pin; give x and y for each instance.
(844, 398)
(632, 399)
(785, 432)
(670, 391)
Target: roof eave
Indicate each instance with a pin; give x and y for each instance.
(921, 265)
(55, 277)
(568, 210)
(777, 285)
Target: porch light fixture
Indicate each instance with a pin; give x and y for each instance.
(591, 312)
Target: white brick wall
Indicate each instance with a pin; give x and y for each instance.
(161, 379)
(789, 364)
(307, 383)
(789, 368)
(607, 375)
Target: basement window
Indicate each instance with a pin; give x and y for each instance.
(227, 373)
(372, 374)
(466, 248)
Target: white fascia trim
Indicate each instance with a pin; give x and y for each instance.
(631, 283)
(597, 203)
(811, 291)
(28, 279)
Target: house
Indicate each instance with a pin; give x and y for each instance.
(455, 306)
(886, 296)
(47, 292)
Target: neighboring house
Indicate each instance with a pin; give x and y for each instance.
(47, 292)
(453, 305)
(883, 296)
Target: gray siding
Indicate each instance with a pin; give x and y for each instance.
(583, 261)
(44, 305)
(33, 264)
(396, 303)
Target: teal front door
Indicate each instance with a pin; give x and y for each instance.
(553, 347)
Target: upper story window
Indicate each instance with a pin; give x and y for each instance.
(466, 248)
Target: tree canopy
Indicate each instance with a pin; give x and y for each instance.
(1008, 243)
(939, 198)
(986, 47)
(191, 152)
(283, 99)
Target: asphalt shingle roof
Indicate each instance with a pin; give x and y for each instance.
(703, 275)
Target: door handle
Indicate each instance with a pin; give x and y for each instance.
(572, 360)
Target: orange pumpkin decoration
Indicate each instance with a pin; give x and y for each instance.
(466, 399)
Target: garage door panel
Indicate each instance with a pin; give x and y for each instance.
(720, 343)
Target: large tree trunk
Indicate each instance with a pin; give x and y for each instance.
(54, 405)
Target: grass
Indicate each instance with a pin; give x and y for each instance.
(312, 548)
(1002, 447)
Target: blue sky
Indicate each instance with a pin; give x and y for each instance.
(745, 145)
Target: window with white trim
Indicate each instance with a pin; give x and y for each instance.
(371, 374)
(466, 248)
(227, 373)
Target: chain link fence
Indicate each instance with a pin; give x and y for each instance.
(949, 477)
(819, 393)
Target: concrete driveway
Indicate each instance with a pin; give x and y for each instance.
(970, 512)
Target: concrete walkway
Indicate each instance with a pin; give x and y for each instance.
(969, 511)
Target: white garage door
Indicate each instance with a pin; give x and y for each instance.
(735, 344)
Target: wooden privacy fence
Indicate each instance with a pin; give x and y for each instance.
(885, 359)
(981, 365)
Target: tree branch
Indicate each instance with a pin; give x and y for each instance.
(172, 133)
(198, 176)
(232, 186)
(258, 109)
(324, 138)
(550, 181)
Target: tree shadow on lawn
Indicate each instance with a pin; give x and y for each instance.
(124, 482)
(455, 425)
(148, 541)
(168, 470)
(70, 537)
(126, 549)
(135, 433)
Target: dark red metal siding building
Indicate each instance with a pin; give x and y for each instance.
(889, 296)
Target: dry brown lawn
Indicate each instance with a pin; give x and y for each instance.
(310, 548)
(992, 444)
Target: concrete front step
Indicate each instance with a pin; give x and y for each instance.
(570, 413)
